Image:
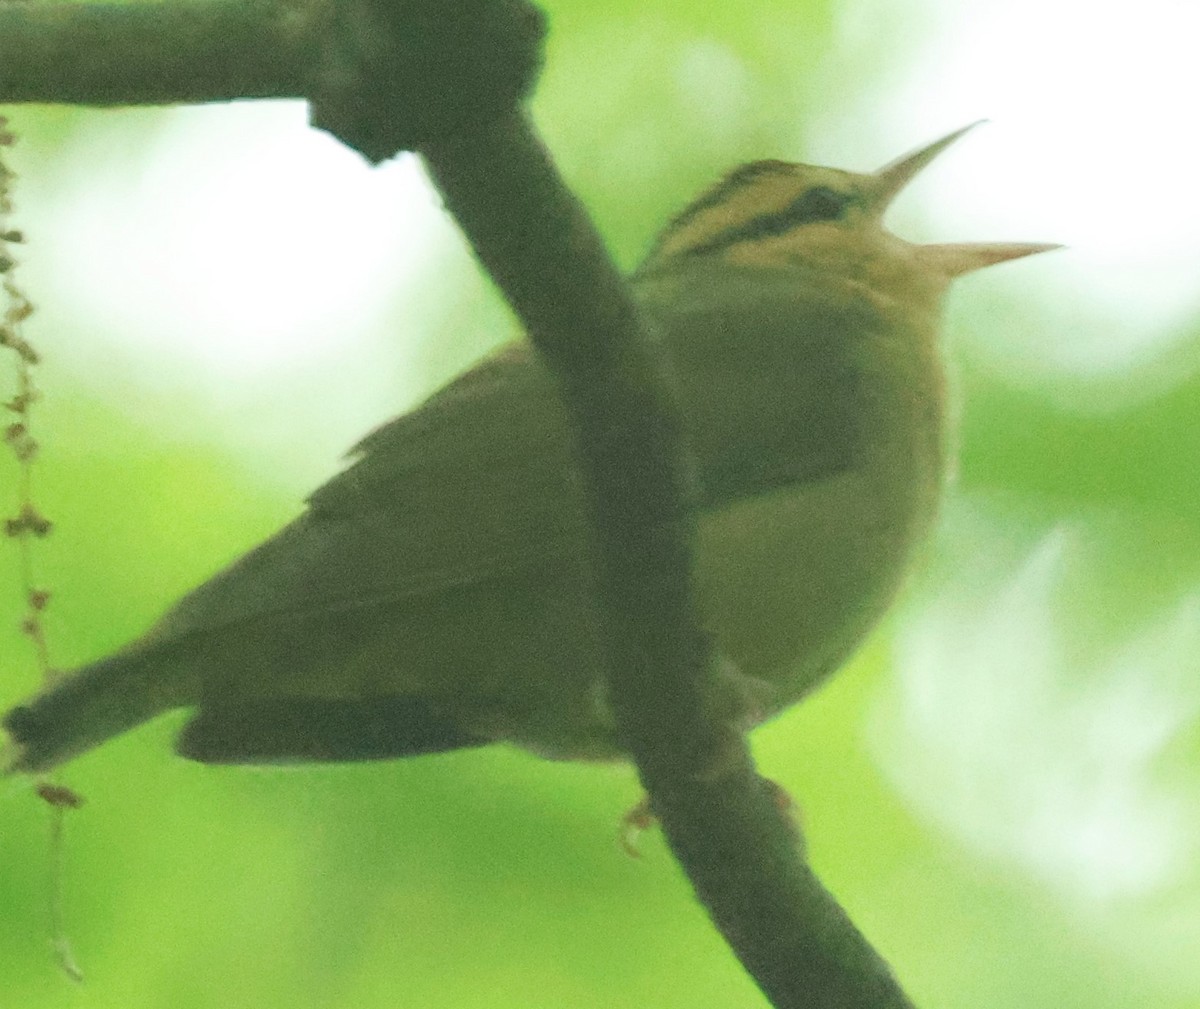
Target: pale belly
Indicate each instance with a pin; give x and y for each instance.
(791, 582)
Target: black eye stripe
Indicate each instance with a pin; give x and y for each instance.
(817, 204)
(736, 180)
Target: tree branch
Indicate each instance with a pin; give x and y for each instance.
(153, 54)
(720, 818)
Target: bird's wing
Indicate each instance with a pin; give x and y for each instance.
(772, 372)
(480, 481)
(476, 483)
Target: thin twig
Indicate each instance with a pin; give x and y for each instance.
(29, 525)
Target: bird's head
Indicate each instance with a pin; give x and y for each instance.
(785, 214)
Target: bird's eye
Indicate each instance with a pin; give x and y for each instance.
(817, 204)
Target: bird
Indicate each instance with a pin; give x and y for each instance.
(440, 591)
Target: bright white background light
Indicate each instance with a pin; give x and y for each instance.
(1091, 145)
(271, 281)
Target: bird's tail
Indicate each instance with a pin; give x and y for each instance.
(87, 707)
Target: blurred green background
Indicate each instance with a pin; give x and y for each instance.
(1004, 787)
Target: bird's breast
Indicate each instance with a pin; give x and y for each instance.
(791, 581)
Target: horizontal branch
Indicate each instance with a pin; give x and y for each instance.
(152, 54)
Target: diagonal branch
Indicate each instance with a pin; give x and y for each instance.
(721, 820)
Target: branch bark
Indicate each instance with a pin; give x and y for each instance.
(447, 79)
(154, 54)
(720, 818)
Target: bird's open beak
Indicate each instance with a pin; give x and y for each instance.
(957, 258)
(894, 176)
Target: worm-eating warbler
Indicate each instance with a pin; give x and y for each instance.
(438, 593)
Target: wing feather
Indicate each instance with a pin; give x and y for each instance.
(479, 482)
